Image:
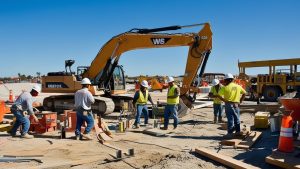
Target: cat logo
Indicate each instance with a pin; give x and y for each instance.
(160, 41)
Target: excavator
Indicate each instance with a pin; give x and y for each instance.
(108, 79)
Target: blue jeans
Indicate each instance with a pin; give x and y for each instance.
(233, 117)
(20, 120)
(218, 108)
(81, 119)
(170, 110)
(141, 108)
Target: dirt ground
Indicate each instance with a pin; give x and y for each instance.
(175, 150)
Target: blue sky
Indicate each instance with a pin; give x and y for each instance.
(38, 35)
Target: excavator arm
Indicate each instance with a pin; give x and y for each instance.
(200, 45)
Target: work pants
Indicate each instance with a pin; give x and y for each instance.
(218, 108)
(141, 108)
(81, 118)
(20, 120)
(233, 117)
(171, 109)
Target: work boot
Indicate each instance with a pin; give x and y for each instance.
(238, 134)
(87, 136)
(13, 135)
(220, 120)
(136, 126)
(215, 119)
(164, 128)
(27, 136)
(228, 136)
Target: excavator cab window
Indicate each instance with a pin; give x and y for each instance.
(80, 71)
(118, 80)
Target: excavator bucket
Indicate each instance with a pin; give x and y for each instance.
(184, 106)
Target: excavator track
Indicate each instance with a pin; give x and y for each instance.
(59, 103)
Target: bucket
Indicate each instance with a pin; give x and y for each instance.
(275, 123)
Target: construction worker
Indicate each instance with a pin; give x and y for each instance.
(141, 97)
(234, 95)
(83, 101)
(218, 107)
(172, 104)
(21, 109)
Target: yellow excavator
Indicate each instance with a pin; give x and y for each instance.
(108, 77)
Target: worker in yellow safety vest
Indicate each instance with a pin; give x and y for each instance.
(140, 99)
(218, 104)
(234, 95)
(172, 104)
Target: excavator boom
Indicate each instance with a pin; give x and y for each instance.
(200, 45)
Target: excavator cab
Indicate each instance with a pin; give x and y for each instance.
(118, 80)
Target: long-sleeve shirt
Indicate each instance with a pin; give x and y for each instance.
(137, 95)
(84, 99)
(24, 103)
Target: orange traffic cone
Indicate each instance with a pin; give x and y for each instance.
(286, 135)
(11, 96)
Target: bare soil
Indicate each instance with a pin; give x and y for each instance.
(176, 150)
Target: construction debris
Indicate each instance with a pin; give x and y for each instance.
(243, 142)
(9, 159)
(228, 161)
(284, 160)
(250, 140)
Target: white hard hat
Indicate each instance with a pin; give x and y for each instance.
(228, 76)
(144, 83)
(37, 88)
(85, 81)
(170, 79)
(215, 82)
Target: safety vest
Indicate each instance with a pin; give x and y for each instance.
(214, 92)
(171, 92)
(142, 99)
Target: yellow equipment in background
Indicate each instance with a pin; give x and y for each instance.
(283, 77)
(156, 82)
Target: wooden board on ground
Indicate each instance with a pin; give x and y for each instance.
(228, 161)
(284, 160)
(101, 136)
(235, 140)
(156, 132)
(250, 140)
(231, 142)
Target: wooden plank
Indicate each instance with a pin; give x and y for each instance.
(228, 161)
(235, 140)
(155, 132)
(250, 140)
(284, 160)
(231, 142)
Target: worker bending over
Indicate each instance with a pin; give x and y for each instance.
(21, 109)
(234, 95)
(141, 97)
(218, 106)
(172, 104)
(83, 105)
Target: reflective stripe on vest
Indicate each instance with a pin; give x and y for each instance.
(286, 132)
(171, 92)
(142, 99)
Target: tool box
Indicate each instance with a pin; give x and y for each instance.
(261, 120)
(47, 122)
